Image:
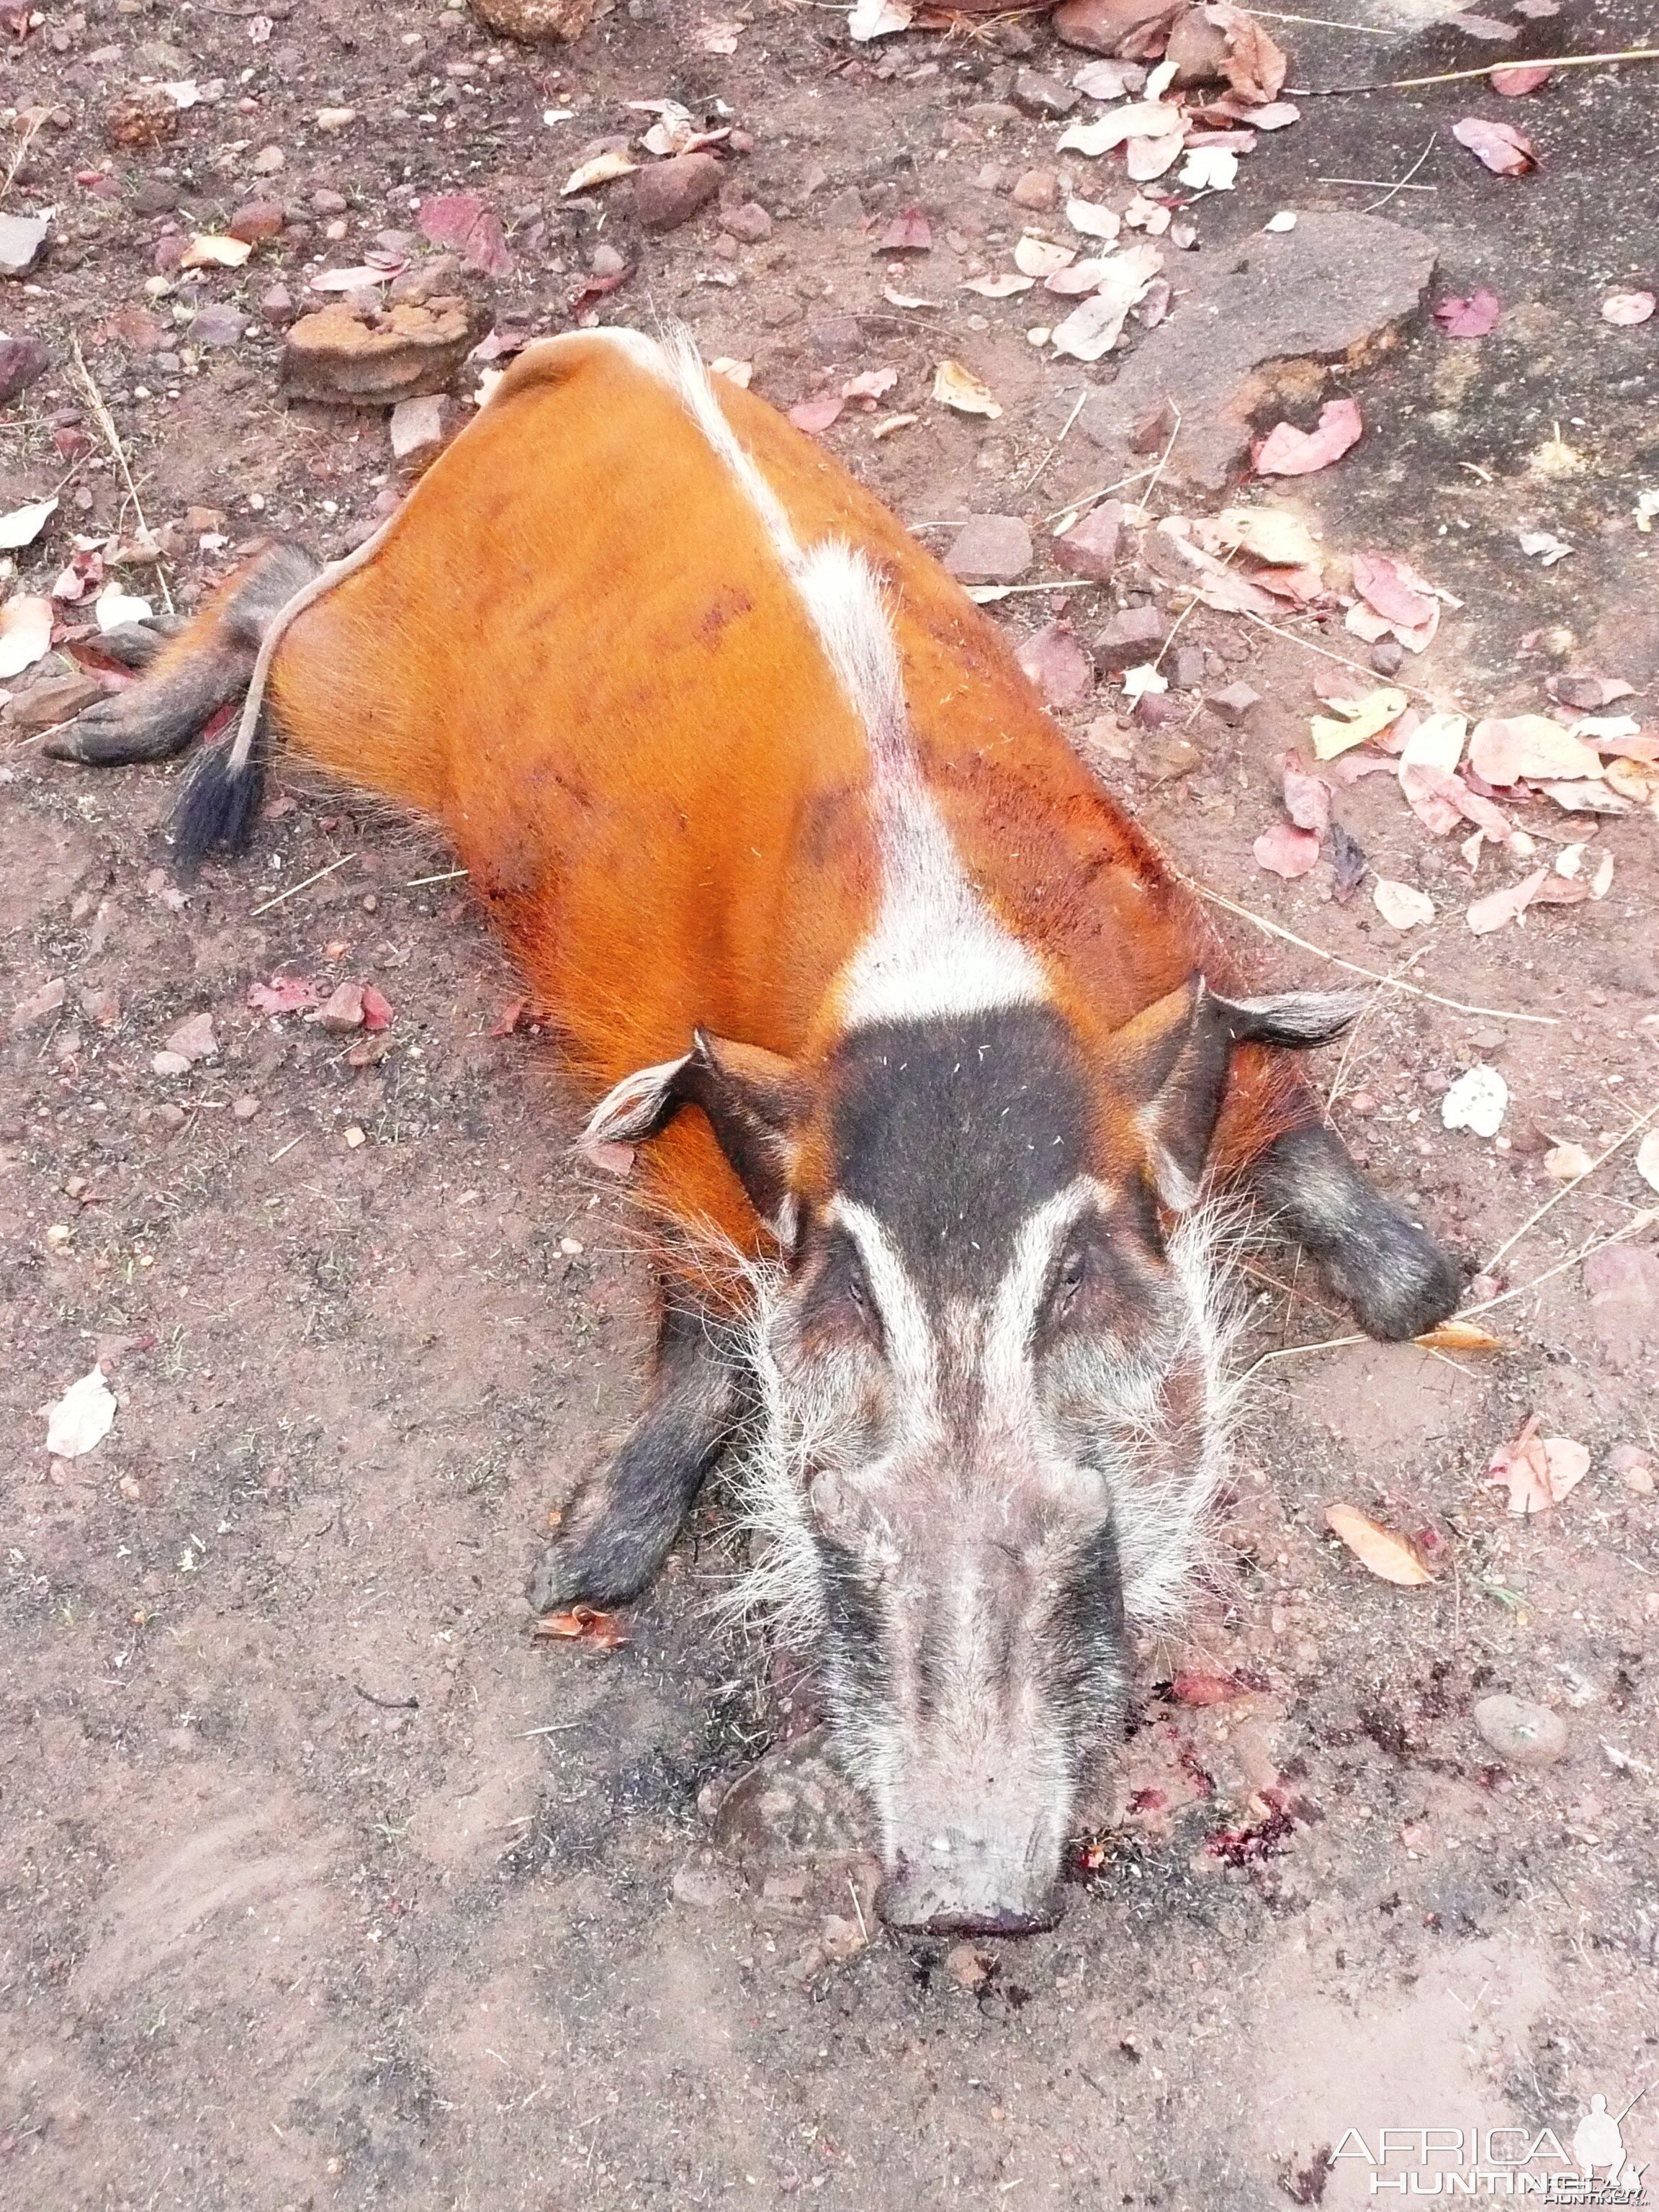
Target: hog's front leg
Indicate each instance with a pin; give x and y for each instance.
(1398, 1281)
(623, 1524)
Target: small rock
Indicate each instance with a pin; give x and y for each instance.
(1634, 1468)
(670, 192)
(698, 1884)
(748, 221)
(1042, 96)
(267, 160)
(1477, 1102)
(343, 1009)
(970, 1969)
(1235, 703)
(1522, 1734)
(276, 305)
(22, 360)
(1163, 755)
(21, 237)
(193, 1039)
(218, 325)
(154, 196)
(1131, 636)
(605, 261)
(407, 351)
(39, 1003)
(1186, 668)
(1109, 27)
(990, 549)
(834, 338)
(325, 202)
(146, 116)
(1058, 665)
(257, 220)
(1197, 47)
(416, 424)
(245, 1107)
(1090, 547)
(1622, 1281)
(841, 1939)
(1037, 189)
(57, 699)
(100, 1005)
(1111, 739)
(169, 1063)
(1155, 428)
(170, 1116)
(1388, 656)
(533, 20)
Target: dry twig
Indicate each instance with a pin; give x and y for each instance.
(112, 436)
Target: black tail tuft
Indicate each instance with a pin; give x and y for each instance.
(220, 805)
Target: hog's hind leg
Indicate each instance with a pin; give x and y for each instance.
(623, 1524)
(188, 678)
(1398, 1279)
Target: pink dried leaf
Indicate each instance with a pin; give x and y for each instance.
(284, 994)
(1469, 318)
(1284, 850)
(817, 413)
(1307, 797)
(908, 233)
(1501, 907)
(469, 226)
(1515, 80)
(1392, 587)
(1288, 452)
(1499, 145)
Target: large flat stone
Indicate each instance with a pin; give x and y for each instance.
(1258, 326)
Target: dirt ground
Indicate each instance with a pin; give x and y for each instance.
(323, 1885)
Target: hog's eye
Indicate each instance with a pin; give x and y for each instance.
(1074, 1273)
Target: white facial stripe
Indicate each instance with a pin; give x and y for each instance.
(909, 1334)
(1014, 1312)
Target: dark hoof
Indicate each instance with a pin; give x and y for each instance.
(1403, 1285)
(119, 730)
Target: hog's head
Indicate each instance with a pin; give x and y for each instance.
(993, 1400)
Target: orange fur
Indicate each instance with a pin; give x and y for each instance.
(579, 651)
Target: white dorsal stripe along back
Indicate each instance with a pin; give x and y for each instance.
(935, 949)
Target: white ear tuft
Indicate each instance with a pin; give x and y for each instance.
(635, 1108)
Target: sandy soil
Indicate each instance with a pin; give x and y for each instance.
(323, 1885)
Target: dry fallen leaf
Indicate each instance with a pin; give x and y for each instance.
(1092, 329)
(1499, 145)
(879, 19)
(25, 633)
(1626, 308)
(1287, 452)
(733, 370)
(284, 994)
(1093, 219)
(1567, 1163)
(1038, 257)
(1255, 67)
(1353, 721)
(602, 169)
(1142, 119)
(81, 1418)
(1502, 906)
(1454, 1335)
(1504, 748)
(909, 232)
(24, 524)
(959, 387)
(1400, 905)
(1647, 1159)
(817, 413)
(583, 1624)
(1393, 587)
(1538, 1472)
(1002, 285)
(1392, 1558)
(1469, 318)
(209, 251)
(1515, 80)
(1266, 533)
(1285, 850)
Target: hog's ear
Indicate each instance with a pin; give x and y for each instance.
(755, 1102)
(1171, 1063)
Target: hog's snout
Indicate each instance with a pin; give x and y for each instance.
(957, 1885)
